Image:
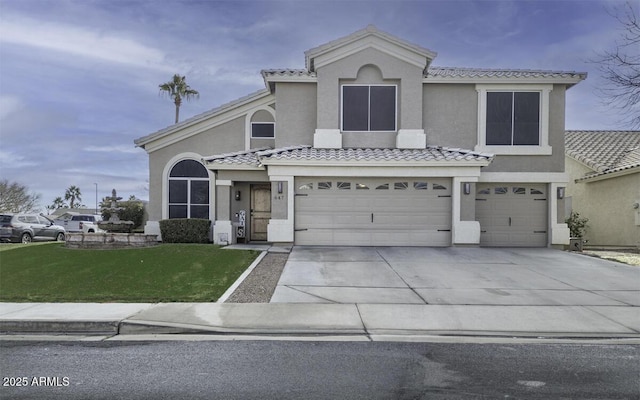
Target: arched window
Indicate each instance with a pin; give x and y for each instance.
(189, 190)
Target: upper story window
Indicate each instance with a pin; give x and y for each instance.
(263, 130)
(513, 119)
(367, 108)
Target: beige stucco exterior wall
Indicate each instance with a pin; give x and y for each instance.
(450, 115)
(295, 113)
(608, 204)
(221, 139)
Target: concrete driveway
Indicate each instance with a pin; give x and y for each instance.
(454, 276)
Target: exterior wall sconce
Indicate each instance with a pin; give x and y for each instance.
(560, 193)
(280, 187)
(238, 196)
(466, 188)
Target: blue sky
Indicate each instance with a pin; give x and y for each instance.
(79, 78)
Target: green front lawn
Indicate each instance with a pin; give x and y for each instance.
(165, 273)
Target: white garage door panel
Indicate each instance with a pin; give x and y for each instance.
(512, 214)
(399, 212)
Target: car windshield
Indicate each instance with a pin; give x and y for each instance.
(5, 218)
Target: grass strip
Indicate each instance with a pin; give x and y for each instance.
(164, 273)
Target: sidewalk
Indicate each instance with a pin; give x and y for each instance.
(385, 291)
(325, 319)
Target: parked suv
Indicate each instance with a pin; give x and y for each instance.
(24, 228)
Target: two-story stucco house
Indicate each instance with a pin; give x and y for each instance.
(371, 144)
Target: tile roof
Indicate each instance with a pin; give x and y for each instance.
(604, 151)
(260, 157)
(247, 157)
(450, 72)
(288, 72)
(453, 72)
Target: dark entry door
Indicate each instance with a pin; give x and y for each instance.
(260, 211)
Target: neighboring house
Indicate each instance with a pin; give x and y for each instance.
(61, 211)
(604, 172)
(372, 145)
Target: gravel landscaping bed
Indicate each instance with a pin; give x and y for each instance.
(626, 257)
(259, 286)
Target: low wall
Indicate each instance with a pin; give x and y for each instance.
(107, 241)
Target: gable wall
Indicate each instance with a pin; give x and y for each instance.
(392, 70)
(225, 138)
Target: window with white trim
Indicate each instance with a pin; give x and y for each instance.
(263, 130)
(513, 119)
(368, 108)
(189, 190)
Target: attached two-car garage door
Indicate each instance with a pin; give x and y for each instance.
(373, 211)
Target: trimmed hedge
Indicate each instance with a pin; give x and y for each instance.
(185, 230)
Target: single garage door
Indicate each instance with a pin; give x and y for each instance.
(373, 212)
(512, 214)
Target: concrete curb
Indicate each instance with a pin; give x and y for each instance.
(98, 328)
(302, 319)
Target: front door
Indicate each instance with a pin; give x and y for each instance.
(260, 211)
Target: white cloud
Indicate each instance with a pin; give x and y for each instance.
(9, 105)
(12, 160)
(113, 149)
(81, 41)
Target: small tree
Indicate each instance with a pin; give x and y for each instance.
(577, 224)
(16, 198)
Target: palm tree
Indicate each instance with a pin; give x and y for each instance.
(72, 194)
(177, 89)
(58, 202)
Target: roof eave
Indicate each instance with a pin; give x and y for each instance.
(371, 30)
(609, 175)
(233, 167)
(143, 141)
(509, 80)
(377, 163)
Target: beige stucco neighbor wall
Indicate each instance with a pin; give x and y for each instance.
(221, 139)
(608, 204)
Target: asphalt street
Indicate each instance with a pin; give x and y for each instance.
(317, 370)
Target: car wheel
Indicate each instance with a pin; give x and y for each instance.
(60, 237)
(25, 238)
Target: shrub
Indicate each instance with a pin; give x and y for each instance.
(185, 230)
(577, 224)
